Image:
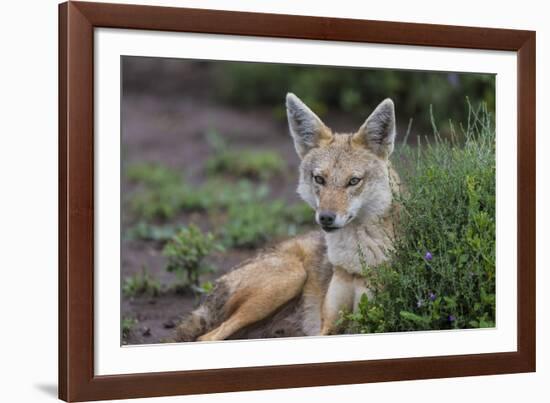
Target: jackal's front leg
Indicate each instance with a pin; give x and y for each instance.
(339, 297)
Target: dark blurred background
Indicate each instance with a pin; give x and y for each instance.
(345, 94)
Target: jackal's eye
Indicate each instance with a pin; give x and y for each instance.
(354, 181)
(319, 179)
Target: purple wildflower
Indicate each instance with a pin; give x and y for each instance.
(431, 296)
(428, 256)
(451, 318)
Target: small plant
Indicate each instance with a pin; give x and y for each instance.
(186, 252)
(204, 288)
(127, 326)
(140, 284)
(257, 164)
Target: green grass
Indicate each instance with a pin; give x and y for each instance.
(161, 193)
(141, 284)
(216, 194)
(166, 202)
(242, 210)
(153, 175)
(159, 203)
(253, 224)
(149, 232)
(249, 164)
(442, 271)
(253, 164)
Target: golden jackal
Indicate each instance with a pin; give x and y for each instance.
(349, 182)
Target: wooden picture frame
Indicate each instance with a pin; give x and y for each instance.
(77, 21)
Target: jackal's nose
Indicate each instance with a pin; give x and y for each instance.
(326, 218)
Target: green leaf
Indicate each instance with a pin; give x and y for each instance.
(414, 318)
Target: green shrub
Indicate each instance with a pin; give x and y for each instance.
(140, 284)
(442, 271)
(186, 252)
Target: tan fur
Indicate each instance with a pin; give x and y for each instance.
(320, 270)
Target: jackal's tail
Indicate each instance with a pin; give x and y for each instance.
(207, 316)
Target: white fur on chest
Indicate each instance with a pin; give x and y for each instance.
(343, 249)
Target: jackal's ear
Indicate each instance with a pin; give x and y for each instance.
(378, 131)
(307, 130)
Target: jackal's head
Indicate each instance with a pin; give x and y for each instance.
(343, 176)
